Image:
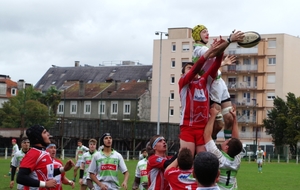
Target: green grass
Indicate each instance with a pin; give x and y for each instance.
(275, 176)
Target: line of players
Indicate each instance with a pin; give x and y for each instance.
(206, 109)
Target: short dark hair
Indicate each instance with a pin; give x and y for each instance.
(184, 66)
(24, 139)
(143, 150)
(185, 159)
(206, 168)
(235, 147)
(79, 140)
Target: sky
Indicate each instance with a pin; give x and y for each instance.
(36, 34)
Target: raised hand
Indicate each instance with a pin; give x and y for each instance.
(237, 36)
(229, 59)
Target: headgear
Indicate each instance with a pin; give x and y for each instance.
(196, 32)
(102, 138)
(34, 134)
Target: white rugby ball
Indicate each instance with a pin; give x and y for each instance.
(251, 39)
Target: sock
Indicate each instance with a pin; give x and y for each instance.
(227, 134)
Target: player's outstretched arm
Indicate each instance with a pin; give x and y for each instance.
(214, 110)
(235, 131)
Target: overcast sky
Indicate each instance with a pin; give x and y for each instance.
(36, 34)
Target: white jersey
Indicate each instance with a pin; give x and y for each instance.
(228, 166)
(106, 168)
(15, 149)
(259, 154)
(218, 90)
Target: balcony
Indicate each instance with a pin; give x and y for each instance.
(239, 69)
(241, 86)
(242, 51)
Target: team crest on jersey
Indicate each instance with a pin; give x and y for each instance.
(159, 159)
(186, 178)
(199, 95)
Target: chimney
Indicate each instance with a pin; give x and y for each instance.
(21, 84)
(77, 63)
(81, 89)
(117, 84)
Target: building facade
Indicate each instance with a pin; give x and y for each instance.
(260, 74)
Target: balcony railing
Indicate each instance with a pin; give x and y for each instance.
(242, 51)
(240, 68)
(243, 85)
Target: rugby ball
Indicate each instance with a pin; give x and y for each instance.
(251, 39)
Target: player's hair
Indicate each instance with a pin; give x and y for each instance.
(235, 146)
(79, 140)
(206, 167)
(185, 159)
(24, 139)
(93, 141)
(184, 66)
(143, 150)
(149, 148)
(53, 142)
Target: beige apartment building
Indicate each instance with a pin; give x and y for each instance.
(260, 74)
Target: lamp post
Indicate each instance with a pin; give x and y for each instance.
(255, 121)
(159, 78)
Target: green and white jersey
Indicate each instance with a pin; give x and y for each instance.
(83, 149)
(15, 149)
(86, 160)
(260, 154)
(228, 166)
(16, 160)
(106, 167)
(141, 172)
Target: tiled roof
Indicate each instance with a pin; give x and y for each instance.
(9, 85)
(119, 90)
(57, 76)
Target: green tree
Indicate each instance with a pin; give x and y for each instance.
(25, 109)
(51, 99)
(283, 122)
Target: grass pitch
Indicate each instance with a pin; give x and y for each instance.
(275, 176)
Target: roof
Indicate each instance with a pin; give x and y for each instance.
(114, 90)
(57, 76)
(9, 85)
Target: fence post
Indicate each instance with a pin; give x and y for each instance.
(287, 159)
(269, 158)
(249, 158)
(296, 159)
(127, 155)
(139, 155)
(5, 153)
(278, 158)
(62, 154)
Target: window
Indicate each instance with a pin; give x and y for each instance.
(185, 46)
(272, 61)
(73, 107)
(271, 78)
(114, 107)
(243, 129)
(271, 43)
(172, 95)
(172, 79)
(173, 46)
(270, 96)
(87, 107)
(126, 108)
(101, 107)
(247, 61)
(60, 109)
(247, 97)
(171, 111)
(173, 63)
(13, 91)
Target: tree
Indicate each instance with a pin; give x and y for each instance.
(52, 99)
(24, 110)
(283, 122)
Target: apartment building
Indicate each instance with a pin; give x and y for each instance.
(260, 74)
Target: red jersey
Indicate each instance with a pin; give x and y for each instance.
(40, 164)
(59, 178)
(155, 170)
(180, 179)
(194, 94)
